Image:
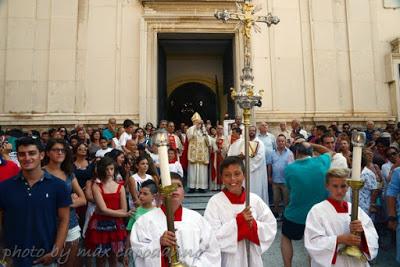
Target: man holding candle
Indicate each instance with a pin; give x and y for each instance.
(328, 228)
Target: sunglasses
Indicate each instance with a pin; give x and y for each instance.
(340, 186)
(391, 154)
(58, 150)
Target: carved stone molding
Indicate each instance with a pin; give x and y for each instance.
(395, 45)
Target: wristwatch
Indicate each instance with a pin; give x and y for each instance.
(392, 218)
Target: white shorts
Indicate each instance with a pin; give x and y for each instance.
(73, 234)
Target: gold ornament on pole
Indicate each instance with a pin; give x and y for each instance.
(247, 96)
(160, 139)
(358, 140)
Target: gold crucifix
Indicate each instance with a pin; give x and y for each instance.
(247, 19)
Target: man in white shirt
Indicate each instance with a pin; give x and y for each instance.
(103, 148)
(296, 129)
(338, 160)
(267, 138)
(127, 134)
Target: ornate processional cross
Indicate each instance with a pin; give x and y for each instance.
(247, 21)
(247, 97)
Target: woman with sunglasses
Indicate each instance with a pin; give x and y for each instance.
(82, 167)
(59, 163)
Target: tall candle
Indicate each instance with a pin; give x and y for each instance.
(356, 166)
(164, 165)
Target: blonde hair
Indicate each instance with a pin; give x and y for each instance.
(337, 173)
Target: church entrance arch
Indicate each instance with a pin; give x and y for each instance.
(189, 98)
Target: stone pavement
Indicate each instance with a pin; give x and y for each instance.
(273, 258)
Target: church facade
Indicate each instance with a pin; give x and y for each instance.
(64, 62)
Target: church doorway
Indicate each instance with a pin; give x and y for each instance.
(195, 74)
(190, 98)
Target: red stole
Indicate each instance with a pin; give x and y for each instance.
(183, 158)
(177, 218)
(343, 207)
(340, 206)
(245, 231)
(216, 159)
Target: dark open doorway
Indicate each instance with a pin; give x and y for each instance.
(203, 66)
(190, 98)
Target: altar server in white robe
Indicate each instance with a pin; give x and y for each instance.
(233, 223)
(258, 167)
(329, 228)
(196, 241)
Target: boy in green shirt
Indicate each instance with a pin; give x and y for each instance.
(147, 196)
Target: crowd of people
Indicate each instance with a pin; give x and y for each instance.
(82, 190)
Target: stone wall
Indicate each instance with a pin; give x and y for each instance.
(69, 61)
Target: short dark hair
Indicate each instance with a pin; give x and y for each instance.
(27, 141)
(176, 176)
(281, 135)
(237, 129)
(128, 123)
(327, 135)
(301, 149)
(102, 165)
(151, 185)
(231, 160)
(322, 128)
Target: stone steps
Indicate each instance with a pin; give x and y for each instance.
(197, 201)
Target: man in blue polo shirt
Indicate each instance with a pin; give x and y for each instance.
(305, 180)
(35, 205)
(277, 162)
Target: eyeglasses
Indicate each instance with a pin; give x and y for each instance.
(58, 150)
(391, 154)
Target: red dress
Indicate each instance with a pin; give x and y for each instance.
(105, 233)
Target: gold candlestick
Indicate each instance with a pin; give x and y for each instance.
(166, 192)
(355, 183)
